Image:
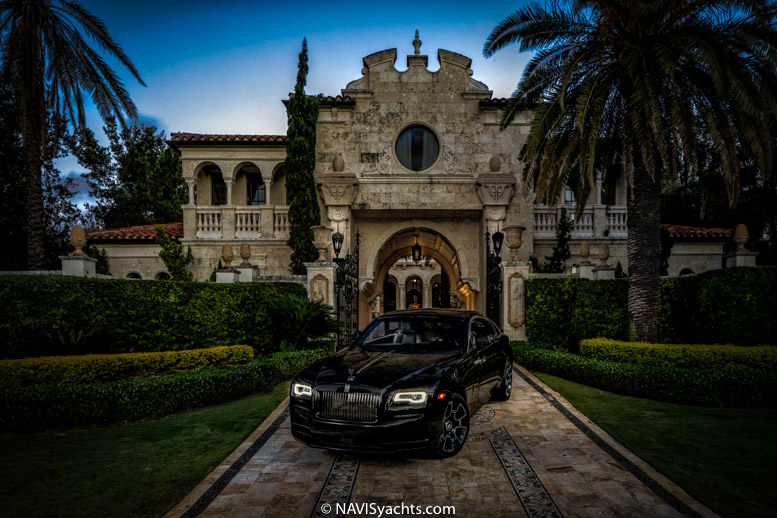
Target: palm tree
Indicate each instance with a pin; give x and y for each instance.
(642, 83)
(52, 67)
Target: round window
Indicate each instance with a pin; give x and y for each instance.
(417, 148)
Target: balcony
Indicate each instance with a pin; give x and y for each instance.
(595, 221)
(236, 221)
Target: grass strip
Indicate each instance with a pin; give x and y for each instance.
(724, 457)
(135, 470)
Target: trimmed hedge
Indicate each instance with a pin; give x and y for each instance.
(733, 305)
(58, 370)
(705, 387)
(60, 406)
(60, 316)
(676, 355)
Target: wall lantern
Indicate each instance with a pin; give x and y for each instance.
(498, 238)
(337, 243)
(416, 253)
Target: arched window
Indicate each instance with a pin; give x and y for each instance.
(389, 295)
(218, 189)
(133, 275)
(417, 148)
(162, 276)
(256, 190)
(686, 271)
(414, 293)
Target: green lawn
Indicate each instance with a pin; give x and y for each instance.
(133, 470)
(724, 457)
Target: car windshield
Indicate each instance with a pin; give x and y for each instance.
(416, 332)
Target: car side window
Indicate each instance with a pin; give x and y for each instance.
(481, 332)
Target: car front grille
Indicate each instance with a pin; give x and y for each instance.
(356, 407)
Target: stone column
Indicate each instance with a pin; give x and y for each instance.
(191, 183)
(338, 190)
(230, 182)
(401, 300)
(427, 302)
(321, 282)
(514, 276)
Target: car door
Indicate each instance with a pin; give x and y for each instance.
(482, 341)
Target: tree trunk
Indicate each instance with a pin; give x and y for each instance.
(33, 165)
(644, 252)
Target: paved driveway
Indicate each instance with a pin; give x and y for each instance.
(534, 456)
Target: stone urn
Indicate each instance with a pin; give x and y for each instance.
(338, 164)
(245, 253)
(226, 256)
(78, 240)
(514, 239)
(585, 251)
(604, 254)
(495, 164)
(741, 237)
(321, 235)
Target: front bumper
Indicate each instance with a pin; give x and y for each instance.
(388, 435)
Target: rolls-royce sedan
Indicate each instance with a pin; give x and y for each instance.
(411, 381)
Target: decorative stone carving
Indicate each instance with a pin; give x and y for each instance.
(78, 240)
(338, 214)
(741, 237)
(338, 164)
(383, 165)
(515, 313)
(337, 188)
(495, 189)
(585, 251)
(319, 289)
(604, 254)
(451, 164)
(245, 253)
(417, 44)
(227, 256)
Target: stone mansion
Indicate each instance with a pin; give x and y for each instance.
(404, 157)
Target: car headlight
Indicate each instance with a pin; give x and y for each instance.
(412, 397)
(301, 390)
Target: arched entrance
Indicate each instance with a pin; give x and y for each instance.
(430, 279)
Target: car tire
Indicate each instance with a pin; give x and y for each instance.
(506, 388)
(454, 428)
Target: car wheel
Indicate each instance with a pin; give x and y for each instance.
(504, 390)
(454, 428)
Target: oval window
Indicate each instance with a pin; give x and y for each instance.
(417, 148)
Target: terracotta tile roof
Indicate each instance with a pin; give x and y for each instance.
(140, 232)
(495, 102)
(209, 138)
(682, 231)
(328, 100)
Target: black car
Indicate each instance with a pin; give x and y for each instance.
(411, 381)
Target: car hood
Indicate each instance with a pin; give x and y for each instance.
(378, 368)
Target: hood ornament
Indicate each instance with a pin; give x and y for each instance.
(351, 376)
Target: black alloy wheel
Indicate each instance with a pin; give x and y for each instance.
(506, 388)
(454, 428)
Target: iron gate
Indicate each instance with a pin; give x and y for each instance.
(493, 281)
(347, 295)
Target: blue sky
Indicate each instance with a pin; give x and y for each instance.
(225, 67)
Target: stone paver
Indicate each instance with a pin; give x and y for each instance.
(534, 455)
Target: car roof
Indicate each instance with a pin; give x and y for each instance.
(426, 312)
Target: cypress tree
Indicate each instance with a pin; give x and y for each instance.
(302, 113)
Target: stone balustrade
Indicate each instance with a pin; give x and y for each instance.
(595, 221)
(243, 222)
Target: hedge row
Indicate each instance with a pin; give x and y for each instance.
(60, 316)
(733, 305)
(50, 406)
(676, 355)
(705, 387)
(90, 368)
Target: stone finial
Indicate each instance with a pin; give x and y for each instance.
(321, 239)
(514, 239)
(78, 240)
(741, 237)
(338, 164)
(585, 251)
(245, 253)
(604, 254)
(227, 256)
(417, 44)
(495, 164)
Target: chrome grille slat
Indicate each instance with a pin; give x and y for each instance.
(352, 406)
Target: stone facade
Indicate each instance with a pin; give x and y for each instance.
(404, 157)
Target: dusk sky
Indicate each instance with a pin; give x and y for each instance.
(225, 67)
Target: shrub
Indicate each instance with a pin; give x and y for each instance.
(297, 321)
(705, 387)
(59, 406)
(58, 370)
(689, 356)
(549, 307)
(129, 316)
